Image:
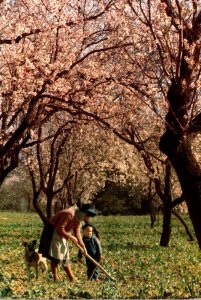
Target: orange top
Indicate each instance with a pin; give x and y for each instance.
(65, 221)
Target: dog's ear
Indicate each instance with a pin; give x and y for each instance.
(34, 242)
(25, 244)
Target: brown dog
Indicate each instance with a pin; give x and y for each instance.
(33, 258)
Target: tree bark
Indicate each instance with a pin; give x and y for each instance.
(37, 208)
(166, 233)
(184, 224)
(189, 174)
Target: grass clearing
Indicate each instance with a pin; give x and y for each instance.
(141, 267)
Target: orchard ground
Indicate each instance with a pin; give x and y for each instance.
(132, 256)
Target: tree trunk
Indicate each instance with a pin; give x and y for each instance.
(37, 208)
(152, 215)
(152, 208)
(180, 125)
(49, 207)
(189, 174)
(190, 179)
(166, 233)
(184, 224)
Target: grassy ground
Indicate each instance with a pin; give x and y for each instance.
(141, 267)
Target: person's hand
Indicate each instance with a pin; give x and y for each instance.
(74, 240)
(79, 260)
(84, 250)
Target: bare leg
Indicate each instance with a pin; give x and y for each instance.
(54, 268)
(69, 273)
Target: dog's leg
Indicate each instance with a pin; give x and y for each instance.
(36, 268)
(44, 267)
(28, 269)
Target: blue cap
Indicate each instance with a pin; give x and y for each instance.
(89, 209)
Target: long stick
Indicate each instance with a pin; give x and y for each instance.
(93, 272)
(95, 262)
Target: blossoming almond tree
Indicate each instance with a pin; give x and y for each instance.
(174, 40)
(72, 165)
(124, 61)
(157, 78)
(42, 45)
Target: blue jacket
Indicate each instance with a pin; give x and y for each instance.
(93, 247)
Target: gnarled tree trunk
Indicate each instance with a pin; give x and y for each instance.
(183, 98)
(189, 174)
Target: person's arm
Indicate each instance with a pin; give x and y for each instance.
(99, 248)
(79, 256)
(96, 232)
(77, 233)
(60, 227)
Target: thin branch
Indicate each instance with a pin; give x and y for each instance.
(195, 125)
(65, 72)
(20, 37)
(107, 7)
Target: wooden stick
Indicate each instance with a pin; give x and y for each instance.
(95, 262)
(93, 272)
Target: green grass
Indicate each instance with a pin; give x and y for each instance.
(142, 268)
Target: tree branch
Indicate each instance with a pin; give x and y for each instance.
(195, 126)
(19, 38)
